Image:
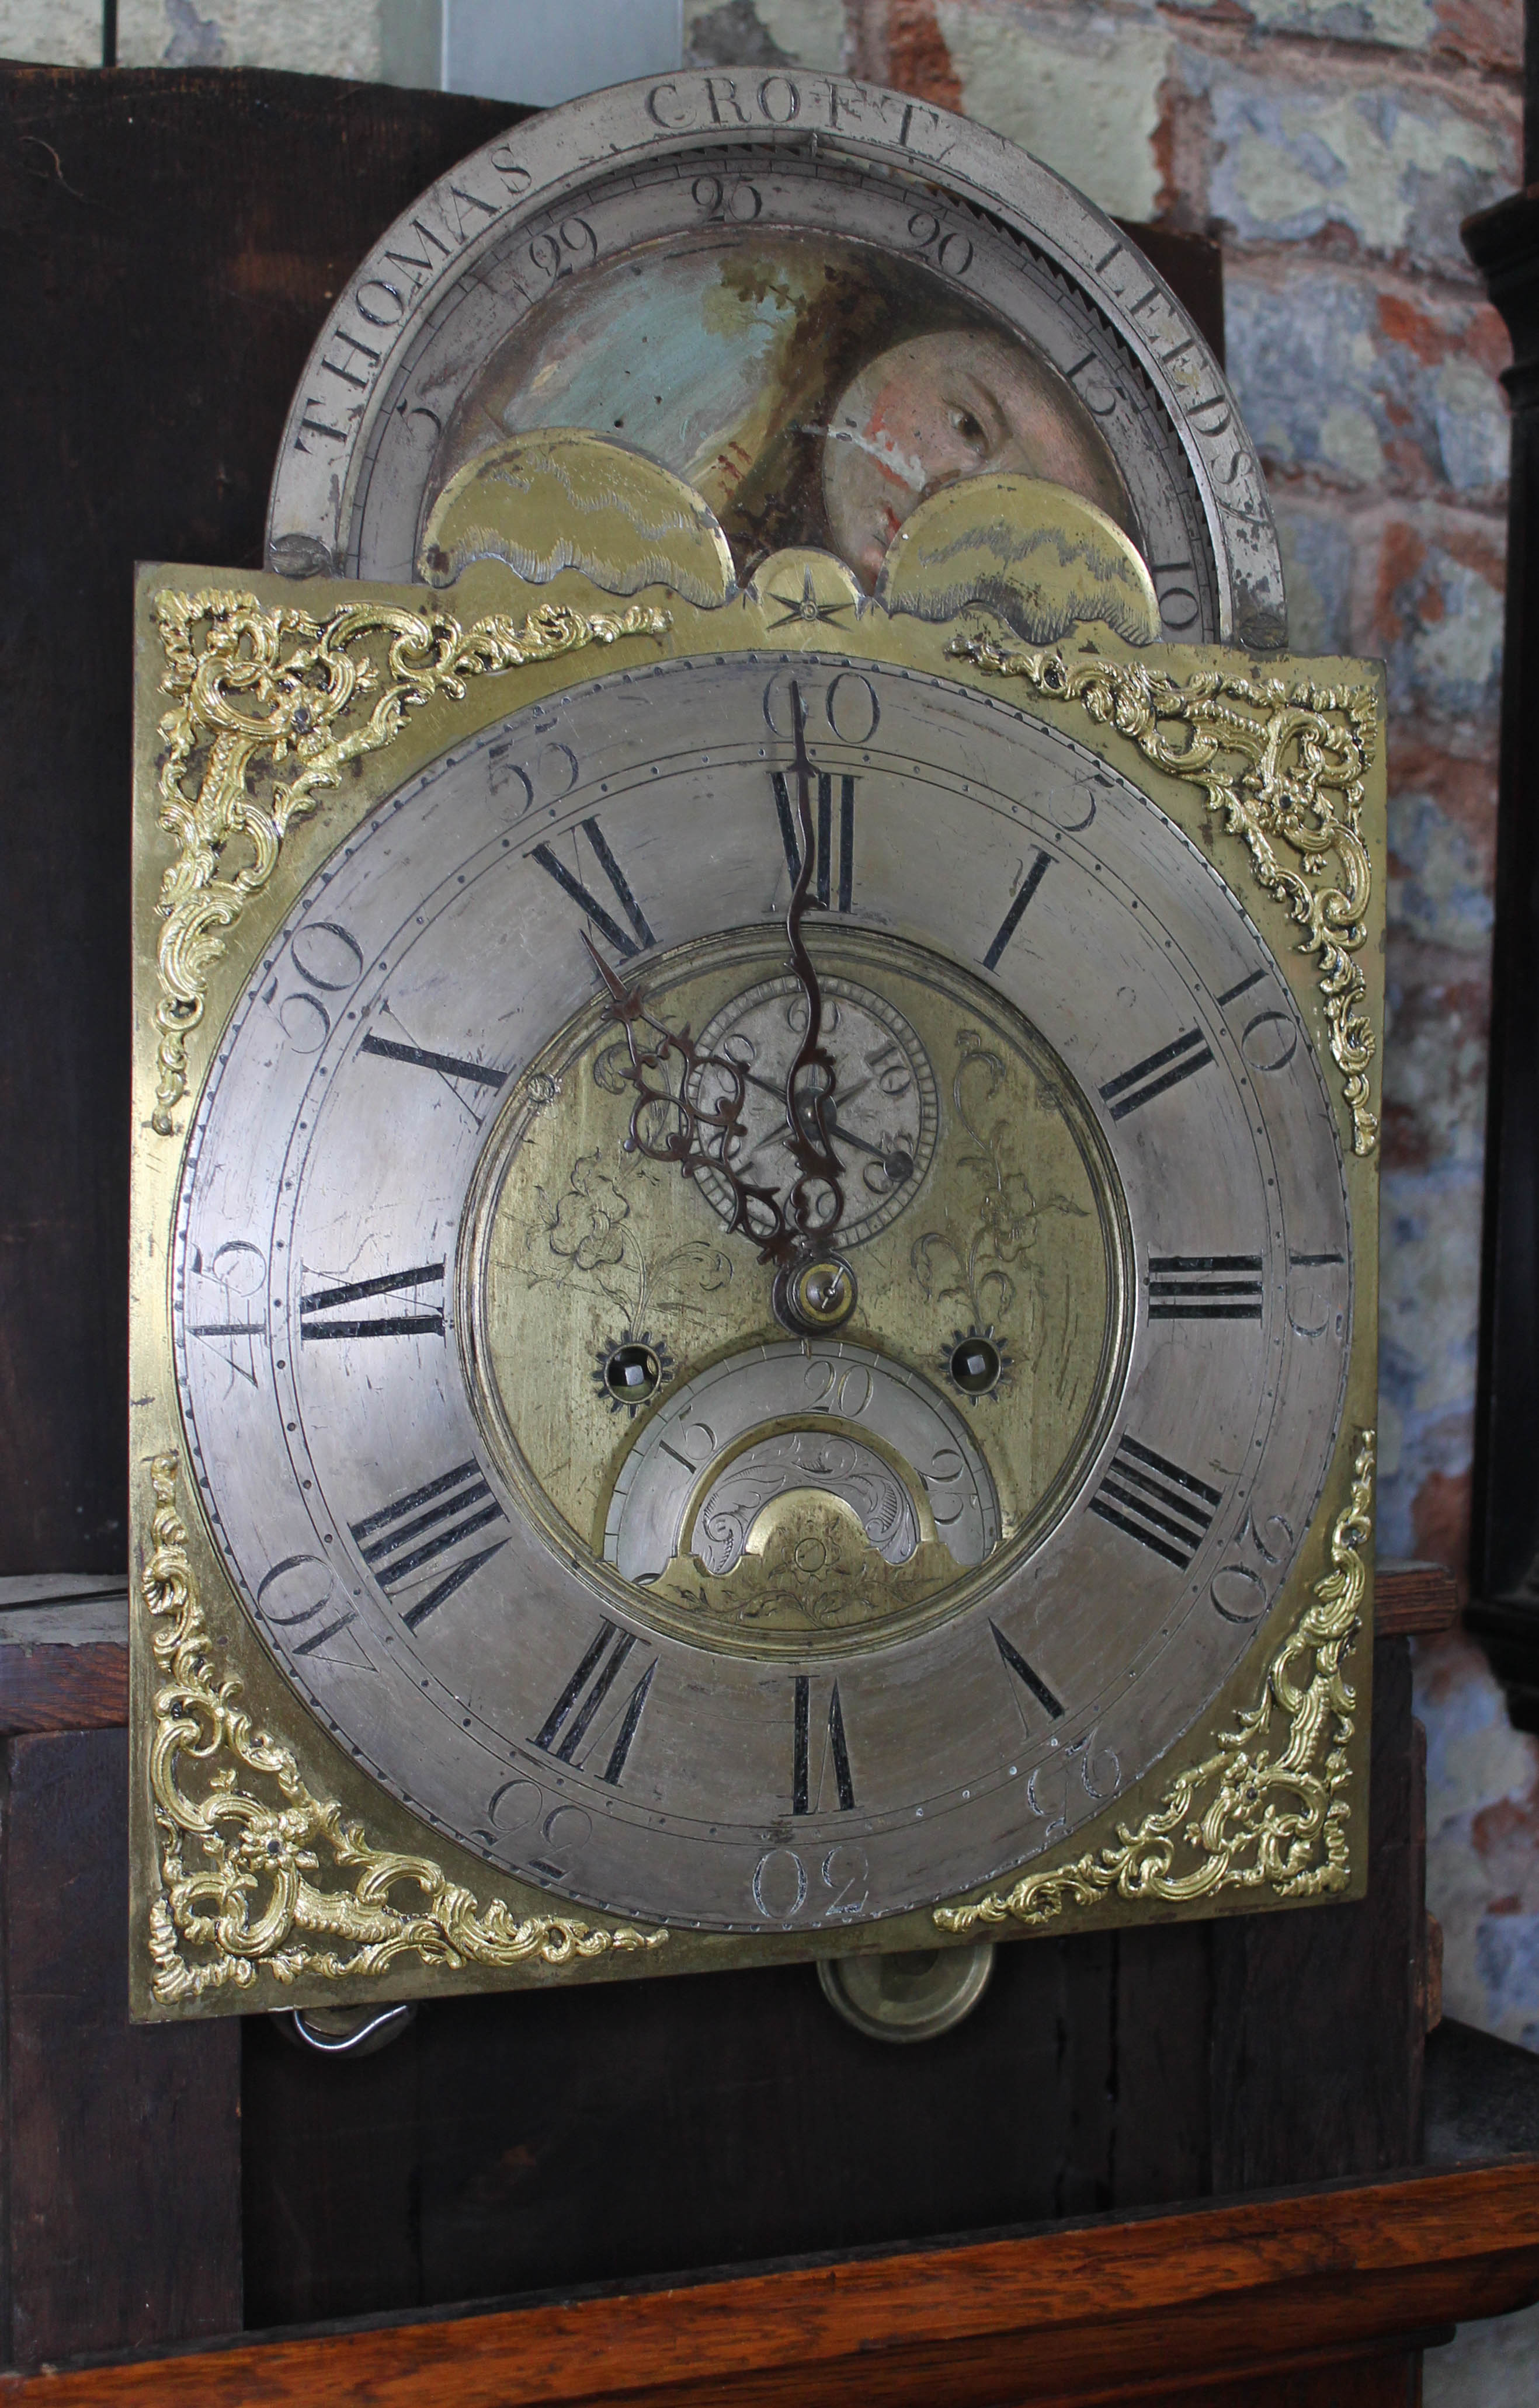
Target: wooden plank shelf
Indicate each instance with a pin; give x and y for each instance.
(1142, 2308)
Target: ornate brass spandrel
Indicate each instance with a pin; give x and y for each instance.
(258, 1876)
(256, 688)
(1282, 767)
(1252, 1815)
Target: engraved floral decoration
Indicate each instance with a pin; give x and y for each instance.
(983, 1267)
(1252, 1815)
(1283, 766)
(594, 1249)
(254, 687)
(257, 1874)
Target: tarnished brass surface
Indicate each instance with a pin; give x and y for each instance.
(257, 1872)
(1278, 761)
(1250, 1816)
(269, 1867)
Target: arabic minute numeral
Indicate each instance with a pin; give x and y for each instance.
(639, 936)
(318, 1305)
(580, 1707)
(1153, 1501)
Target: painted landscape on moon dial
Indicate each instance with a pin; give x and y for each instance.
(813, 390)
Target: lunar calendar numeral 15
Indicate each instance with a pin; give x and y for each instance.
(640, 935)
(804, 1799)
(833, 864)
(424, 1320)
(574, 1713)
(1153, 1501)
(1204, 1287)
(420, 1528)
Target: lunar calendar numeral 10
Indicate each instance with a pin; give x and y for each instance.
(833, 862)
(1153, 1501)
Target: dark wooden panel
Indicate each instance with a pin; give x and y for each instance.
(1320, 2018)
(63, 1688)
(1156, 2308)
(123, 2145)
(169, 245)
(1413, 1600)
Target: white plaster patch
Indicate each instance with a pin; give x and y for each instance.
(1429, 1287)
(52, 32)
(811, 31)
(1491, 2365)
(1474, 431)
(1463, 649)
(335, 37)
(1349, 440)
(1081, 94)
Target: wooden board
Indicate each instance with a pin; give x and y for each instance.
(1149, 2310)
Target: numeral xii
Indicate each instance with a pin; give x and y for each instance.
(833, 861)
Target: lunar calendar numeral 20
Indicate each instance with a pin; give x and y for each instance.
(419, 1529)
(640, 935)
(833, 862)
(575, 1711)
(1153, 1501)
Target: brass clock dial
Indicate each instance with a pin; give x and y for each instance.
(816, 302)
(527, 1479)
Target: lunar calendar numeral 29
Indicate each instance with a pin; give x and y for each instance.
(833, 863)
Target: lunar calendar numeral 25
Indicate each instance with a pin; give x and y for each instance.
(833, 863)
(418, 1530)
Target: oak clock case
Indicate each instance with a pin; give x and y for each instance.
(815, 301)
(599, 1517)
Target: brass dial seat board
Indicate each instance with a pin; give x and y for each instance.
(817, 301)
(532, 995)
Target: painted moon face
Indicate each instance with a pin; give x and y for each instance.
(940, 407)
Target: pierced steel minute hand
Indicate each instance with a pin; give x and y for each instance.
(816, 1205)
